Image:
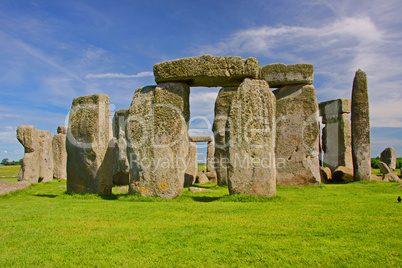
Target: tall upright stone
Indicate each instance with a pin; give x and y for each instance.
(90, 147)
(336, 135)
(388, 156)
(361, 128)
(192, 164)
(251, 138)
(210, 156)
(28, 136)
(157, 136)
(121, 175)
(45, 156)
(220, 130)
(297, 136)
(60, 154)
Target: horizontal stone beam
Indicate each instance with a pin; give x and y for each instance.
(335, 107)
(200, 138)
(207, 70)
(279, 74)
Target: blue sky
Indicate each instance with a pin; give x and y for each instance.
(54, 51)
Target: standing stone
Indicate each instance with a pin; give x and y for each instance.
(251, 152)
(45, 156)
(388, 156)
(89, 144)
(30, 168)
(192, 165)
(297, 136)
(361, 128)
(157, 135)
(210, 156)
(121, 174)
(336, 135)
(220, 129)
(60, 154)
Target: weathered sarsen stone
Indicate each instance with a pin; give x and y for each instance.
(297, 136)
(207, 70)
(157, 136)
(221, 131)
(90, 147)
(388, 156)
(45, 156)
(279, 74)
(342, 174)
(28, 137)
(251, 152)
(210, 156)
(361, 128)
(384, 169)
(336, 135)
(192, 165)
(60, 154)
(121, 175)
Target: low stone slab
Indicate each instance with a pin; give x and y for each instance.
(384, 169)
(200, 138)
(196, 189)
(279, 74)
(390, 177)
(343, 174)
(326, 174)
(335, 107)
(207, 70)
(201, 178)
(212, 177)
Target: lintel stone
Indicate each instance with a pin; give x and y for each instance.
(335, 107)
(200, 138)
(279, 74)
(207, 70)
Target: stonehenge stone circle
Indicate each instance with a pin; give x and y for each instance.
(223, 104)
(336, 135)
(279, 74)
(361, 128)
(297, 136)
(121, 174)
(157, 134)
(207, 71)
(388, 156)
(60, 154)
(251, 139)
(90, 147)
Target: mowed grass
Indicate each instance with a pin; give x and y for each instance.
(339, 225)
(9, 173)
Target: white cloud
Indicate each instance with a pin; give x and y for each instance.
(119, 75)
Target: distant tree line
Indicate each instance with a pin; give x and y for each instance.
(6, 162)
(374, 162)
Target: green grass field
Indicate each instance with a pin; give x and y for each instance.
(9, 173)
(339, 225)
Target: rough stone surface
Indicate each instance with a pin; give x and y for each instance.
(201, 178)
(326, 174)
(90, 147)
(279, 74)
(192, 165)
(200, 138)
(335, 107)
(336, 141)
(45, 156)
(59, 156)
(361, 128)
(210, 156)
(391, 177)
(220, 129)
(384, 169)
(388, 156)
(122, 189)
(157, 136)
(28, 136)
(297, 136)
(207, 70)
(343, 174)
(251, 139)
(212, 177)
(196, 189)
(62, 130)
(8, 187)
(121, 175)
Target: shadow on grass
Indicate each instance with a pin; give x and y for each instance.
(47, 195)
(205, 199)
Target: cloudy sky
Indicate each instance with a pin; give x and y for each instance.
(53, 51)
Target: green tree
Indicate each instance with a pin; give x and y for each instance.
(5, 162)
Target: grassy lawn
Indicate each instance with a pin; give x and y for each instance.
(9, 173)
(202, 167)
(339, 225)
